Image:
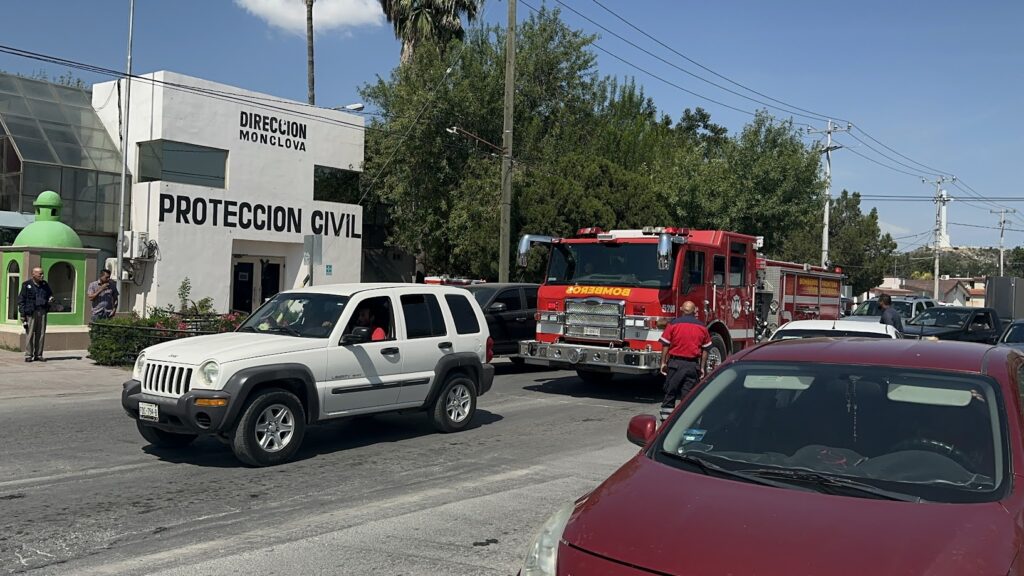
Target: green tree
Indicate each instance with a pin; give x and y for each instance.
(590, 150)
(1014, 262)
(433, 21)
(856, 243)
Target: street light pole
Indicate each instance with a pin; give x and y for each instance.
(506, 144)
(124, 160)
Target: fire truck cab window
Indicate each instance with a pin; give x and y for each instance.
(737, 271)
(719, 270)
(693, 268)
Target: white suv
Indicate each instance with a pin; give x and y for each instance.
(313, 355)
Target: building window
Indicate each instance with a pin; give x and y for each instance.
(13, 288)
(62, 281)
(336, 185)
(168, 161)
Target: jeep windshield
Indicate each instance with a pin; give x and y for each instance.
(870, 308)
(608, 264)
(303, 315)
(850, 429)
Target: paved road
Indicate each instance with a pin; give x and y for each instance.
(80, 494)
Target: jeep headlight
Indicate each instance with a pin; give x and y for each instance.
(140, 367)
(209, 372)
(542, 555)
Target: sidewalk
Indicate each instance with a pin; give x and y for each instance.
(63, 373)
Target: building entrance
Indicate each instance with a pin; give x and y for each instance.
(254, 279)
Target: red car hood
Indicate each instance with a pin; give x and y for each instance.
(671, 521)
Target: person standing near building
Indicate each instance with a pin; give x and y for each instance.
(34, 303)
(890, 315)
(684, 356)
(103, 296)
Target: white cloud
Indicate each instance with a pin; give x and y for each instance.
(893, 229)
(290, 15)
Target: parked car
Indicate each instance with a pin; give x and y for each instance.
(1014, 335)
(838, 457)
(510, 310)
(955, 323)
(833, 329)
(907, 306)
(315, 355)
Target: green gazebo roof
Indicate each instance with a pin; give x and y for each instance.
(48, 231)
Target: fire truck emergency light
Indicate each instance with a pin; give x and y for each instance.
(590, 231)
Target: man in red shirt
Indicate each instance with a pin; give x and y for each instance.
(684, 355)
(365, 318)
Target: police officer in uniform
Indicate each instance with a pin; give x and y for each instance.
(684, 356)
(34, 303)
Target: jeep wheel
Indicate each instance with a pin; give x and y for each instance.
(164, 439)
(595, 377)
(455, 405)
(270, 430)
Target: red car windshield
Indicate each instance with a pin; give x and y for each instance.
(932, 435)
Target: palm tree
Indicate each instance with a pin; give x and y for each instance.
(309, 50)
(428, 20)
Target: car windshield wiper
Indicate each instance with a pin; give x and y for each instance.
(830, 484)
(286, 329)
(709, 468)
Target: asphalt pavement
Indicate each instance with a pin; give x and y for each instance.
(81, 493)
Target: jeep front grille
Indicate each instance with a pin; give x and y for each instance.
(166, 379)
(594, 318)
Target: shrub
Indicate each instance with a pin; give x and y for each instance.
(117, 341)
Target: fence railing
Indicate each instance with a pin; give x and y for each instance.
(120, 344)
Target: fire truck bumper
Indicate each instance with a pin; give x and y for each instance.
(595, 358)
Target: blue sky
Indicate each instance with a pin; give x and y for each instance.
(937, 81)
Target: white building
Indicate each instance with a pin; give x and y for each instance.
(226, 191)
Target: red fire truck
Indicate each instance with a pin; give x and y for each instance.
(607, 296)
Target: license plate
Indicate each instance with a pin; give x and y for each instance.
(591, 331)
(149, 412)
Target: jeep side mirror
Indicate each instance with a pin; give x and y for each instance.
(498, 307)
(641, 429)
(359, 335)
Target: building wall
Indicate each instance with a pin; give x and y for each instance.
(275, 176)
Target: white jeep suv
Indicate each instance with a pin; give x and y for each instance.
(312, 355)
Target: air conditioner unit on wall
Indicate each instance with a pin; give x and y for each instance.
(136, 245)
(111, 265)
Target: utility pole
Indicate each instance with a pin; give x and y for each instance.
(506, 144)
(119, 282)
(941, 199)
(1002, 228)
(829, 129)
(311, 95)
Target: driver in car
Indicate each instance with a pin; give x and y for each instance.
(366, 319)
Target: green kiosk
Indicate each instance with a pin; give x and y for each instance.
(53, 246)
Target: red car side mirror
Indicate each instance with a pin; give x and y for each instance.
(641, 429)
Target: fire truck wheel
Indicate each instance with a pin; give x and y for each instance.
(717, 353)
(593, 377)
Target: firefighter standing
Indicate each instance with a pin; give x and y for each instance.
(684, 356)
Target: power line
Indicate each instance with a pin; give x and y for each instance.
(653, 75)
(220, 95)
(703, 67)
(815, 117)
(882, 164)
(913, 235)
(873, 139)
(785, 106)
(986, 227)
(875, 150)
